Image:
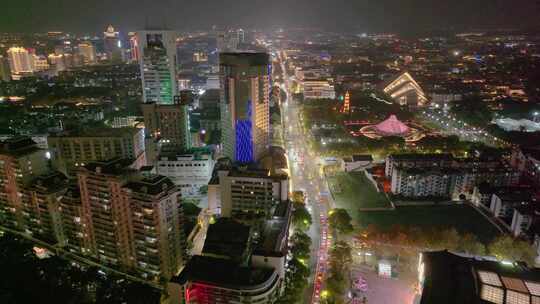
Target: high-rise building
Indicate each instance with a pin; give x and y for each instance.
(168, 123)
(5, 71)
(20, 162)
(41, 207)
(129, 220)
(156, 226)
(57, 61)
(112, 44)
(134, 54)
(106, 213)
(87, 52)
(20, 60)
(40, 63)
(75, 149)
(241, 35)
(157, 50)
(75, 234)
(245, 81)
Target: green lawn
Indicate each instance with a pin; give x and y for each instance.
(353, 190)
(462, 217)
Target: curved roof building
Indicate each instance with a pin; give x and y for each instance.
(392, 127)
(405, 91)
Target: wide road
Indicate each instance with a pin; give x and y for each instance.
(306, 175)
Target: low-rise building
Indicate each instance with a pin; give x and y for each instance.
(448, 278)
(250, 261)
(448, 182)
(190, 170)
(357, 162)
(250, 192)
(208, 280)
(318, 89)
(412, 160)
(504, 200)
(527, 161)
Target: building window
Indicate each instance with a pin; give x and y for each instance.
(492, 294)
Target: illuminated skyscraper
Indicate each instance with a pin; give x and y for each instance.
(112, 43)
(20, 60)
(245, 81)
(88, 52)
(133, 47)
(157, 50)
(57, 61)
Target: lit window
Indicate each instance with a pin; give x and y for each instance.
(490, 278)
(514, 297)
(534, 288)
(514, 284)
(492, 294)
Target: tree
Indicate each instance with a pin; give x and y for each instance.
(298, 197)
(190, 209)
(449, 239)
(469, 244)
(340, 256)
(340, 220)
(203, 189)
(508, 248)
(301, 243)
(301, 217)
(338, 279)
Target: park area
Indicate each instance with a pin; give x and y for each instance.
(464, 218)
(354, 191)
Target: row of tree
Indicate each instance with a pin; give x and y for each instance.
(407, 242)
(296, 278)
(338, 277)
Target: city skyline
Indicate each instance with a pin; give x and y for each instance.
(285, 152)
(387, 15)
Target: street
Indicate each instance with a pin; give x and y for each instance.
(450, 125)
(306, 175)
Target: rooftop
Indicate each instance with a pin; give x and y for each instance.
(422, 157)
(244, 59)
(50, 182)
(274, 233)
(358, 158)
(18, 146)
(227, 238)
(224, 273)
(452, 278)
(151, 185)
(114, 166)
(99, 132)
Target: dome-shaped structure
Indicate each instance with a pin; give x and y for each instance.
(392, 127)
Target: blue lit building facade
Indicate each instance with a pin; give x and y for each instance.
(245, 82)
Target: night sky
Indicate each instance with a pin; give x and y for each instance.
(355, 15)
